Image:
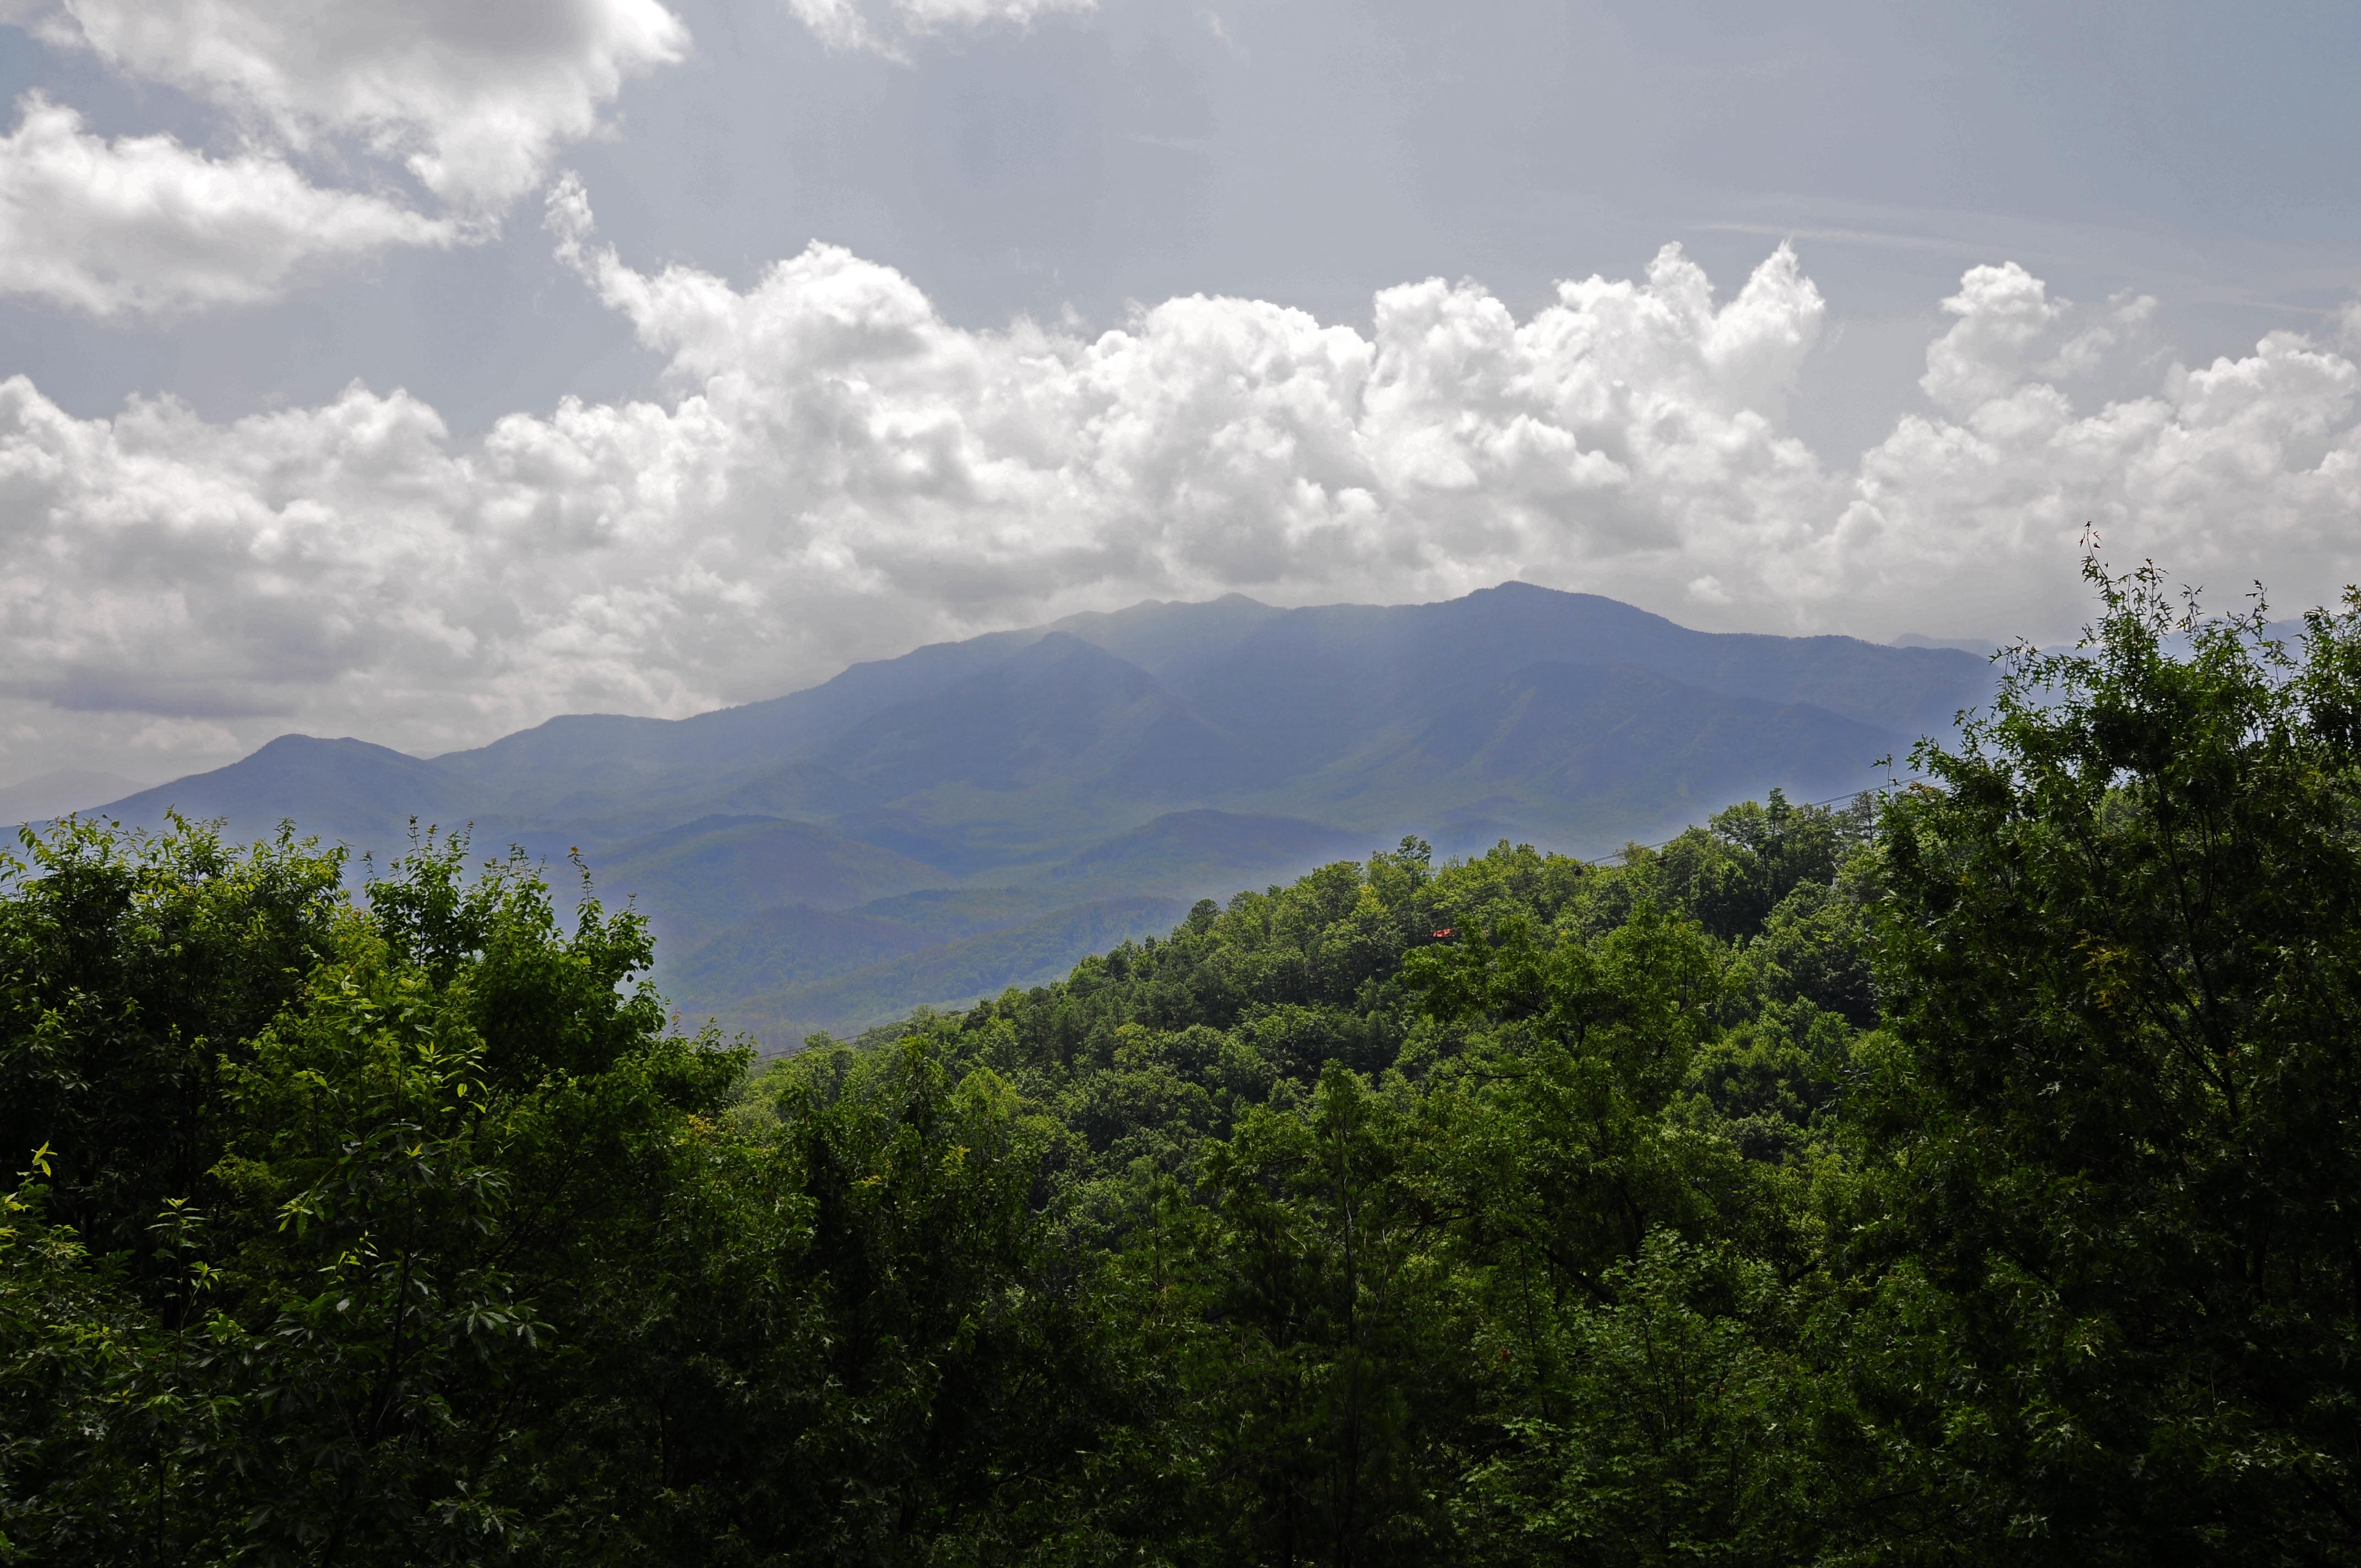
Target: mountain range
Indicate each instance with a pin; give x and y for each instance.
(977, 813)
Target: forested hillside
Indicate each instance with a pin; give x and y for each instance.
(1961, 1177)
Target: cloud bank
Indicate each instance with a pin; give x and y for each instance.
(886, 26)
(833, 471)
(143, 226)
(472, 98)
(471, 101)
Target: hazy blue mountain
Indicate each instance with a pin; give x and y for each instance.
(1305, 684)
(720, 871)
(947, 914)
(794, 946)
(1981, 647)
(1033, 952)
(1061, 713)
(341, 789)
(1172, 640)
(600, 756)
(1202, 852)
(928, 827)
(1572, 752)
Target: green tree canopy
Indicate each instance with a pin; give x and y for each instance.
(1962, 1177)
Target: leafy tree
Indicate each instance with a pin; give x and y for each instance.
(1686, 1420)
(131, 967)
(318, 1342)
(1977, 1190)
(2121, 1132)
(1333, 1358)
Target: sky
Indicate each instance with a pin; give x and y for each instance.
(420, 372)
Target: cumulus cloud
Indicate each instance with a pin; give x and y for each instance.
(473, 98)
(883, 26)
(2243, 469)
(834, 471)
(143, 226)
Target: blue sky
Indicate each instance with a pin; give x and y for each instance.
(420, 372)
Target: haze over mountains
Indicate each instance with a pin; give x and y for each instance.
(977, 813)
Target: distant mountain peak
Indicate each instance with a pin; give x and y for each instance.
(1977, 645)
(1169, 749)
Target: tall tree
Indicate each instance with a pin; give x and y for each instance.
(2121, 1131)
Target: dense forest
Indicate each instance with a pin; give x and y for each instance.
(1969, 1175)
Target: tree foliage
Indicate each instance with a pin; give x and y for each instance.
(1964, 1177)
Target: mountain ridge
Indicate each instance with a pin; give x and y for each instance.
(1168, 752)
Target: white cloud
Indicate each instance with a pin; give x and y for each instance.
(884, 26)
(931, 14)
(474, 98)
(145, 226)
(2003, 312)
(2243, 469)
(837, 472)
